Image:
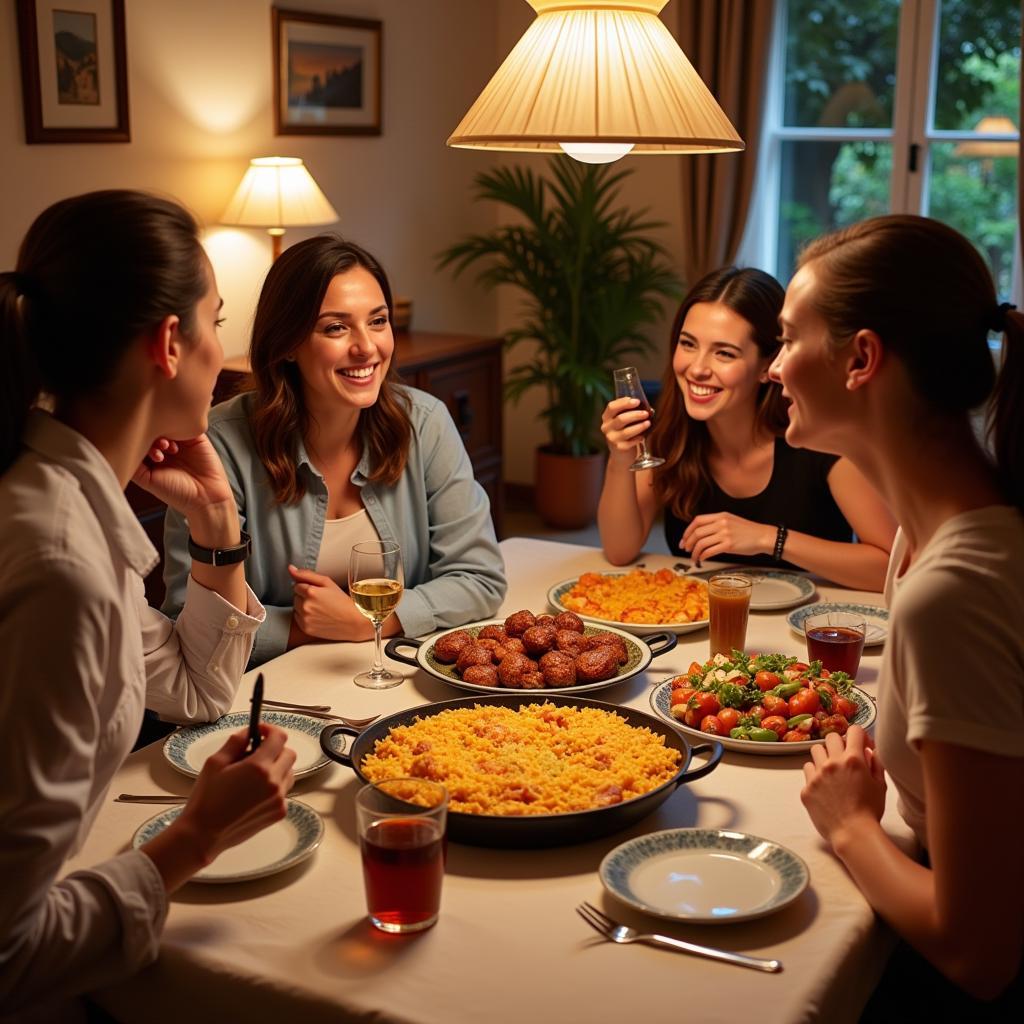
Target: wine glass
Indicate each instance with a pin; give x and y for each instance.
(375, 584)
(628, 385)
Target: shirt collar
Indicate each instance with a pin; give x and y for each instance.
(359, 477)
(59, 443)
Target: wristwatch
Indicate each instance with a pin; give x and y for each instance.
(221, 556)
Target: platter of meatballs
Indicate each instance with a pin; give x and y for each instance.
(555, 653)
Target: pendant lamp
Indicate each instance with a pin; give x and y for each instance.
(597, 79)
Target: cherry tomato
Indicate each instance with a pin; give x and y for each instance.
(846, 707)
(828, 695)
(774, 705)
(681, 696)
(794, 671)
(824, 674)
(729, 717)
(767, 680)
(712, 725)
(695, 669)
(776, 723)
(795, 736)
(806, 702)
(834, 723)
(704, 703)
(756, 712)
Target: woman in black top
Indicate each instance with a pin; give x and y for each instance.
(731, 488)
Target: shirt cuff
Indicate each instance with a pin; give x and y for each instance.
(415, 614)
(208, 606)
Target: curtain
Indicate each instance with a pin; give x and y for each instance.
(728, 42)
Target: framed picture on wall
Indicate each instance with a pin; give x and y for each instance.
(327, 74)
(74, 72)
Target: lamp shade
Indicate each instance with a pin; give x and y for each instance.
(991, 124)
(597, 72)
(278, 192)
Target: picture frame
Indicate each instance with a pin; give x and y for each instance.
(327, 74)
(74, 70)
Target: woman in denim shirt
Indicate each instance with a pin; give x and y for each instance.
(330, 450)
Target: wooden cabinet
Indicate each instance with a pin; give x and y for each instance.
(464, 371)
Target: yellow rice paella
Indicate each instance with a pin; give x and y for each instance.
(537, 759)
(660, 597)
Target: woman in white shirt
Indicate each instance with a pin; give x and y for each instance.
(885, 353)
(112, 315)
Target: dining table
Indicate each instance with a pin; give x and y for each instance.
(508, 947)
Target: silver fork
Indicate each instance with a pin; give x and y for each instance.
(615, 932)
(290, 705)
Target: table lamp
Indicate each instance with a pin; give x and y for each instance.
(597, 79)
(278, 192)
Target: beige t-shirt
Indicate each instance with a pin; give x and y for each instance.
(336, 546)
(953, 666)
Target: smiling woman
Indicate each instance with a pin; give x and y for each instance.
(330, 450)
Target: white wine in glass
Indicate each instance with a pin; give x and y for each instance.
(628, 385)
(375, 586)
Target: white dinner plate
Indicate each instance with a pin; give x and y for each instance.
(875, 618)
(187, 749)
(774, 590)
(636, 628)
(661, 701)
(276, 848)
(704, 876)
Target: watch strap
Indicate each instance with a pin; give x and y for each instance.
(221, 556)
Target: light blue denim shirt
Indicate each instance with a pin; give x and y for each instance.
(437, 512)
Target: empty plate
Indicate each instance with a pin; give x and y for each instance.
(773, 590)
(282, 845)
(876, 618)
(704, 876)
(187, 749)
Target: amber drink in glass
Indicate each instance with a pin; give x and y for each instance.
(729, 606)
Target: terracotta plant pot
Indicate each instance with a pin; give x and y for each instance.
(567, 488)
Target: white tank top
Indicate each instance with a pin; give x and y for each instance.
(339, 536)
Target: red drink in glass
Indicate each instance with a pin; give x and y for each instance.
(403, 866)
(837, 644)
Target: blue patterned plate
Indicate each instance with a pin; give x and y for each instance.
(661, 701)
(280, 846)
(704, 876)
(187, 749)
(876, 618)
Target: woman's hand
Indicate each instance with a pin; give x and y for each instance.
(322, 609)
(717, 532)
(187, 475)
(845, 783)
(622, 423)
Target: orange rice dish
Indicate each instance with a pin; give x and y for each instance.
(537, 759)
(656, 598)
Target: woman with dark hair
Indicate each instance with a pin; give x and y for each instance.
(731, 487)
(330, 450)
(884, 354)
(111, 317)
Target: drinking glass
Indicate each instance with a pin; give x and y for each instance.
(628, 385)
(375, 586)
(402, 838)
(836, 639)
(728, 610)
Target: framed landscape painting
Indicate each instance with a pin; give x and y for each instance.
(327, 74)
(74, 70)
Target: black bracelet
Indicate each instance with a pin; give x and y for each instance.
(221, 556)
(780, 542)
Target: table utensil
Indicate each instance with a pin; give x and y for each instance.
(536, 830)
(255, 739)
(836, 639)
(375, 584)
(704, 876)
(188, 748)
(322, 711)
(615, 932)
(640, 653)
(876, 618)
(279, 846)
(661, 702)
(728, 611)
(291, 706)
(143, 798)
(628, 385)
(401, 826)
(559, 590)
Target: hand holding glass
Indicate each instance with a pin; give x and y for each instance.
(375, 586)
(628, 385)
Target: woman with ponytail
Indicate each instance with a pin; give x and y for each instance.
(110, 321)
(885, 355)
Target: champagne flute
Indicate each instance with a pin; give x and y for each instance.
(627, 385)
(375, 584)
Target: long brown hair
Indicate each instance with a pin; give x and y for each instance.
(684, 443)
(93, 272)
(926, 291)
(286, 314)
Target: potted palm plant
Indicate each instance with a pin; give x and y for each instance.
(593, 279)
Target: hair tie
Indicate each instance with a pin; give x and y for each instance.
(997, 321)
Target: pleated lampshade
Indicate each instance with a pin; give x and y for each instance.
(597, 72)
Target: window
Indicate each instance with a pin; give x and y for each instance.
(880, 106)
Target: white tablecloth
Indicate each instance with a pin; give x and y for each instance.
(508, 947)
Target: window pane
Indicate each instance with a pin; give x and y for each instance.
(827, 185)
(840, 63)
(977, 195)
(978, 69)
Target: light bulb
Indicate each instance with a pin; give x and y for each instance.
(596, 152)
